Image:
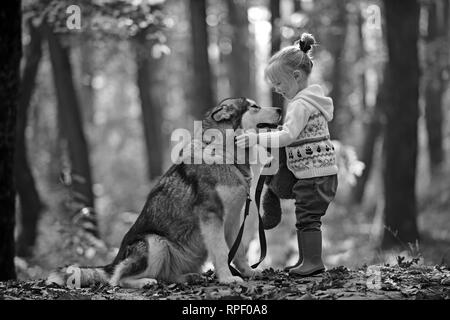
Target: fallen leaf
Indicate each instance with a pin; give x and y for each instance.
(307, 296)
(446, 281)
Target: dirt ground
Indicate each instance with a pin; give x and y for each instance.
(404, 281)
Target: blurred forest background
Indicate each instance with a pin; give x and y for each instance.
(100, 96)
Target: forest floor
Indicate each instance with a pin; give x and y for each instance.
(404, 281)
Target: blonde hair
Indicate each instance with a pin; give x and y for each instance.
(295, 57)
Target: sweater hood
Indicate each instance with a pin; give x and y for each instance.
(314, 96)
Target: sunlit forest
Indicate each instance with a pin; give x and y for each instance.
(104, 83)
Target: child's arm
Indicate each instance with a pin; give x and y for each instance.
(297, 116)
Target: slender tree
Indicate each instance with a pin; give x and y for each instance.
(30, 202)
(71, 129)
(275, 21)
(372, 132)
(436, 66)
(151, 103)
(203, 97)
(297, 5)
(372, 128)
(362, 57)
(402, 28)
(335, 43)
(240, 55)
(10, 53)
(87, 55)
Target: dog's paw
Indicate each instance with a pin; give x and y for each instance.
(248, 272)
(143, 283)
(252, 274)
(190, 278)
(230, 279)
(146, 283)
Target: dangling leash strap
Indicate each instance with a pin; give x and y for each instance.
(262, 237)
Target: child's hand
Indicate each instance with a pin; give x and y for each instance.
(247, 140)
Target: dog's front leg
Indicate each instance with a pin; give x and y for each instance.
(233, 220)
(213, 234)
(232, 225)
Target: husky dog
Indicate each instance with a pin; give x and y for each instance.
(192, 212)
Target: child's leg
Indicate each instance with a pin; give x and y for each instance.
(312, 199)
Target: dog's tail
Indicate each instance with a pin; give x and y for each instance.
(79, 277)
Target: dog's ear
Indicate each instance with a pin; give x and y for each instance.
(223, 112)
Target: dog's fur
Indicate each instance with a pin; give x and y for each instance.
(194, 210)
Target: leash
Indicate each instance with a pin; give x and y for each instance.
(262, 236)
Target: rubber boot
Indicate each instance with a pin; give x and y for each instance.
(311, 243)
(300, 254)
(272, 210)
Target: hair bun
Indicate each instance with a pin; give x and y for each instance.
(306, 42)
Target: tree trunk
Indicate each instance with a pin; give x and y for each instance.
(436, 65)
(372, 132)
(10, 53)
(30, 202)
(147, 69)
(297, 5)
(240, 54)
(202, 82)
(71, 128)
(362, 57)
(277, 99)
(374, 127)
(336, 45)
(87, 75)
(402, 28)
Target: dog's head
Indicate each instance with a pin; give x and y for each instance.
(244, 113)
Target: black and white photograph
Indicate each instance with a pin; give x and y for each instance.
(223, 154)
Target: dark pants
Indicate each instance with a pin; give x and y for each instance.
(312, 197)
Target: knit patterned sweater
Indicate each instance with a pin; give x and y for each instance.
(305, 135)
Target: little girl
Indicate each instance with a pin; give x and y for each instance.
(310, 153)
